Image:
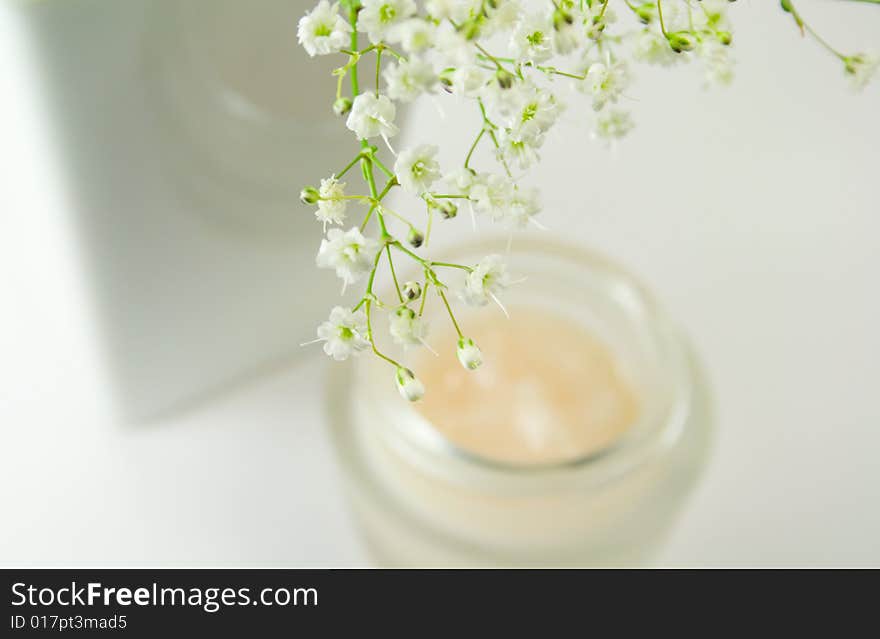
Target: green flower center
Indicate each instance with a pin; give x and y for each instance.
(387, 13)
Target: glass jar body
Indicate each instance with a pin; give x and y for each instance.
(421, 501)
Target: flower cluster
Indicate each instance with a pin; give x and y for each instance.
(511, 59)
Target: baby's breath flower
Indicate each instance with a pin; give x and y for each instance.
(331, 201)
(568, 32)
(406, 80)
(519, 146)
(485, 281)
(652, 47)
(416, 168)
(522, 207)
(408, 385)
(371, 116)
(717, 61)
(468, 80)
(461, 180)
(322, 30)
(612, 124)
(532, 39)
(860, 68)
(407, 328)
(501, 16)
(414, 35)
(606, 82)
(344, 333)
(348, 252)
(597, 17)
(378, 17)
(469, 354)
(489, 193)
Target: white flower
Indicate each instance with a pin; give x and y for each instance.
(522, 207)
(414, 35)
(461, 180)
(532, 39)
(599, 16)
(406, 327)
(323, 30)
(349, 253)
(652, 47)
(408, 79)
(489, 193)
(455, 10)
(612, 124)
(377, 17)
(417, 169)
(503, 17)
(717, 61)
(344, 334)
(453, 47)
(408, 385)
(538, 106)
(606, 82)
(468, 80)
(371, 116)
(519, 146)
(331, 205)
(488, 278)
(861, 68)
(568, 31)
(469, 354)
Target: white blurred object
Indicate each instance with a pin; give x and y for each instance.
(185, 132)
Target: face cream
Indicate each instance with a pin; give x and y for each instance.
(547, 392)
(575, 443)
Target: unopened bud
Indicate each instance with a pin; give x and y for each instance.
(505, 78)
(309, 195)
(646, 12)
(415, 238)
(561, 19)
(469, 354)
(342, 106)
(448, 209)
(412, 290)
(680, 41)
(408, 385)
(445, 77)
(725, 38)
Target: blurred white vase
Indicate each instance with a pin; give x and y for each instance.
(186, 129)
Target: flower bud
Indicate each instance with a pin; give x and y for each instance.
(445, 78)
(342, 106)
(505, 78)
(415, 238)
(561, 19)
(646, 12)
(448, 209)
(725, 38)
(412, 290)
(408, 384)
(309, 195)
(469, 354)
(680, 41)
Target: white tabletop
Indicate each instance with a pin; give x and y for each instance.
(751, 211)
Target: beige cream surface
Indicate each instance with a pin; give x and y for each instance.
(548, 391)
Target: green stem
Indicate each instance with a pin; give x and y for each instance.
(424, 296)
(449, 310)
(368, 309)
(451, 265)
(393, 274)
(349, 165)
(660, 17)
(470, 152)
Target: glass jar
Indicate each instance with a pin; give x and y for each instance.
(422, 501)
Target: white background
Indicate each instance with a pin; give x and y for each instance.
(752, 212)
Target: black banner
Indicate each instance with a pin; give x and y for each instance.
(266, 602)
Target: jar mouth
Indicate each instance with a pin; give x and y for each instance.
(648, 342)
